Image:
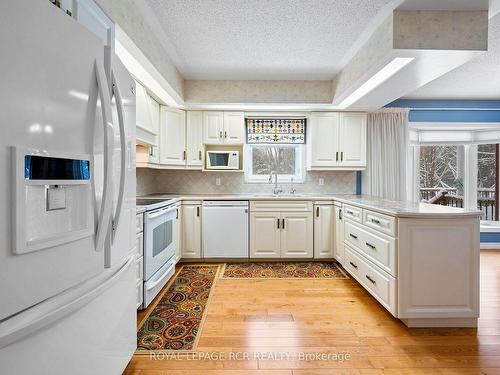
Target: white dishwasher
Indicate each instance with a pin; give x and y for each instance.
(225, 229)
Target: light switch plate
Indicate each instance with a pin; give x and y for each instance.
(217, 181)
(321, 181)
(56, 198)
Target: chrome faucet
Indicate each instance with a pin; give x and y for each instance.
(276, 190)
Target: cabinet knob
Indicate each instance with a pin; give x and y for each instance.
(225, 135)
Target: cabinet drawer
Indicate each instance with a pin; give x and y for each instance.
(281, 206)
(139, 223)
(140, 269)
(353, 213)
(139, 245)
(379, 284)
(139, 295)
(380, 249)
(383, 223)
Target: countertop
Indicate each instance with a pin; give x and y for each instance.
(403, 209)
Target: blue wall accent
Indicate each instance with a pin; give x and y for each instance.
(450, 110)
(490, 237)
(358, 182)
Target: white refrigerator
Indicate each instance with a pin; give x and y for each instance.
(67, 197)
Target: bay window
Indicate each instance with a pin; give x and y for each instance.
(458, 172)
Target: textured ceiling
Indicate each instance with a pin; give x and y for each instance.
(262, 39)
(477, 79)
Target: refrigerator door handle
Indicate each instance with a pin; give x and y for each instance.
(104, 220)
(123, 153)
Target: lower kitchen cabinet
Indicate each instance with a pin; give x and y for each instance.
(324, 224)
(178, 234)
(296, 235)
(281, 234)
(265, 236)
(338, 229)
(191, 231)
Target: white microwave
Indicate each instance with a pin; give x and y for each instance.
(223, 159)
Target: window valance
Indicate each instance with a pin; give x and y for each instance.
(277, 131)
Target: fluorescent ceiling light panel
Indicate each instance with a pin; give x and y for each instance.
(378, 78)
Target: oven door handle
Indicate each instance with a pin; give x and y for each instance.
(161, 278)
(161, 212)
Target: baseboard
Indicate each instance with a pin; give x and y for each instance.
(490, 246)
(440, 322)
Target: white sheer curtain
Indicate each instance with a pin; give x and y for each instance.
(388, 165)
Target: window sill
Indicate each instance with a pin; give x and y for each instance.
(490, 226)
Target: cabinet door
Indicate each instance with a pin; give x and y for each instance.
(191, 231)
(154, 113)
(265, 235)
(234, 128)
(213, 127)
(323, 140)
(178, 234)
(324, 220)
(172, 137)
(339, 235)
(297, 235)
(353, 140)
(142, 110)
(194, 139)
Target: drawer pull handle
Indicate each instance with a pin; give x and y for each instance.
(352, 264)
(371, 280)
(353, 236)
(350, 212)
(370, 246)
(375, 221)
(278, 221)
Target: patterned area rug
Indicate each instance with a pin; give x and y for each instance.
(283, 270)
(174, 323)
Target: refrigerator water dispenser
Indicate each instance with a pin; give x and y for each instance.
(52, 198)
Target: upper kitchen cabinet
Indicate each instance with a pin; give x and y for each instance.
(172, 137)
(234, 128)
(194, 139)
(147, 128)
(322, 147)
(223, 128)
(336, 140)
(352, 140)
(213, 127)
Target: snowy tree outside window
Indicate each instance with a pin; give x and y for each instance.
(441, 177)
(286, 160)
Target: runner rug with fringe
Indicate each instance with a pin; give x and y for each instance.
(174, 323)
(283, 270)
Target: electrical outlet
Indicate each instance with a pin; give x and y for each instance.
(321, 181)
(217, 181)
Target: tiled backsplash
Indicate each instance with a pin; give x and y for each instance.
(150, 181)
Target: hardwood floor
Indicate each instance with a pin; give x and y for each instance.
(263, 319)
